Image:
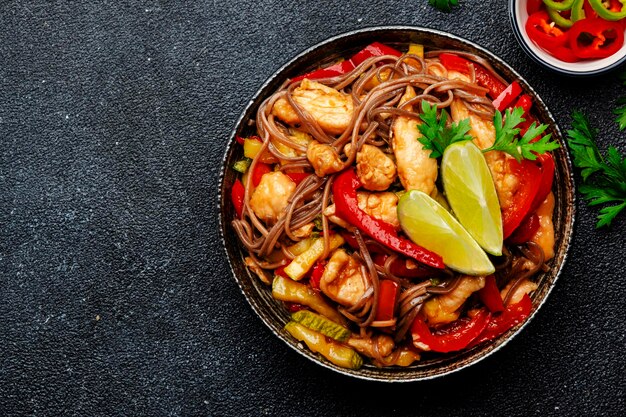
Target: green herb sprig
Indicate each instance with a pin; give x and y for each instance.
(604, 178)
(507, 131)
(436, 136)
(444, 5)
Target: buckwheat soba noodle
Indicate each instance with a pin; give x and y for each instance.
(317, 208)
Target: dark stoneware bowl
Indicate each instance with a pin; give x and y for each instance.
(272, 312)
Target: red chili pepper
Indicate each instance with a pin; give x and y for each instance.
(316, 274)
(490, 295)
(347, 208)
(387, 296)
(259, 170)
(589, 12)
(398, 267)
(281, 271)
(595, 38)
(294, 307)
(454, 336)
(483, 77)
(511, 316)
(525, 231)
(343, 67)
(533, 6)
(543, 33)
(297, 177)
(237, 195)
(564, 54)
(529, 176)
(507, 96)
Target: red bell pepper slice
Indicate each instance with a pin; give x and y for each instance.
(388, 291)
(507, 96)
(564, 54)
(297, 177)
(511, 316)
(239, 139)
(595, 38)
(525, 102)
(343, 67)
(483, 77)
(281, 271)
(540, 30)
(529, 176)
(546, 164)
(490, 295)
(260, 169)
(346, 205)
(454, 336)
(237, 195)
(525, 231)
(316, 274)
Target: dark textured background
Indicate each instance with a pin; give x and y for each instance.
(115, 297)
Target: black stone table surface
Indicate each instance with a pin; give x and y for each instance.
(115, 295)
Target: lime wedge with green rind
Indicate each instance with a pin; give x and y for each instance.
(431, 226)
(472, 194)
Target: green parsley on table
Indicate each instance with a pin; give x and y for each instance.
(436, 136)
(507, 132)
(604, 178)
(444, 5)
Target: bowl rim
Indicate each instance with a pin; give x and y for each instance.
(488, 350)
(533, 55)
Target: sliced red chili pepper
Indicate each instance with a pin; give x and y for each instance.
(484, 78)
(533, 6)
(237, 195)
(525, 231)
(511, 316)
(316, 274)
(595, 38)
(529, 176)
(454, 336)
(297, 177)
(346, 205)
(507, 96)
(589, 12)
(387, 296)
(490, 295)
(541, 31)
(259, 170)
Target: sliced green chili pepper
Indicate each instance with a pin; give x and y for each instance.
(606, 13)
(559, 5)
(560, 21)
(577, 10)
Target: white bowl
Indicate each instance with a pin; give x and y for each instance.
(519, 16)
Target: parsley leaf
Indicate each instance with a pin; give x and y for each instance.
(436, 136)
(608, 184)
(444, 5)
(507, 132)
(621, 113)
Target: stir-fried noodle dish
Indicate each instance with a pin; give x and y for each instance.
(398, 203)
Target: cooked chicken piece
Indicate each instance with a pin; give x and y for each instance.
(342, 280)
(331, 109)
(324, 158)
(484, 134)
(271, 196)
(368, 346)
(382, 206)
(260, 272)
(445, 308)
(375, 169)
(526, 287)
(416, 169)
(545, 234)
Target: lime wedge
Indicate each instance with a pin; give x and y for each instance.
(472, 195)
(429, 225)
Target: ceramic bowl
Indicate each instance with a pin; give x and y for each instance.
(273, 313)
(518, 16)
